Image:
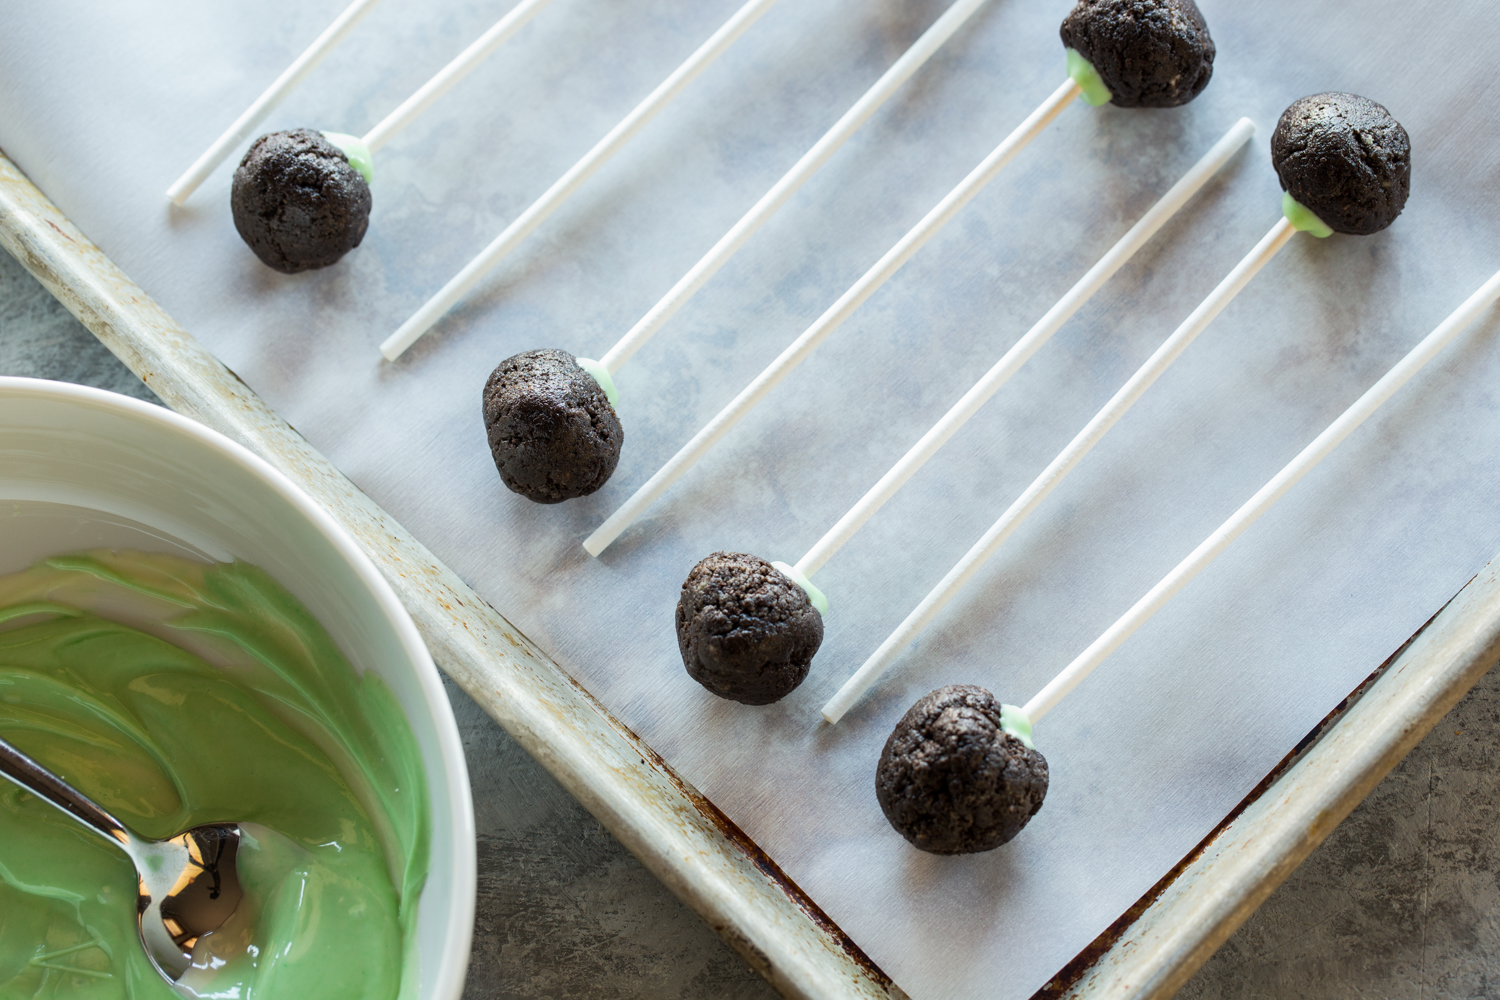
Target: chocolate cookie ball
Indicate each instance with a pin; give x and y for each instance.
(746, 632)
(1149, 53)
(951, 781)
(297, 202)
(552, 429)
(1345, 158)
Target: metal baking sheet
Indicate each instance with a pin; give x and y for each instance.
(1359, 555)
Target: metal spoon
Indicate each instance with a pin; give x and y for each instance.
(188, 885)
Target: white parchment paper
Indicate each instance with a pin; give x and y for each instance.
(105, 104)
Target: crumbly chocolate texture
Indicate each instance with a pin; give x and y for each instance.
(746, 632)
(951, 781)
(297, 202)
(552, 430)
(1149, 53)
(1345, 158)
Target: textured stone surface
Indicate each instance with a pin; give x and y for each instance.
(1401, 902)
(564, 911)
(39, 339)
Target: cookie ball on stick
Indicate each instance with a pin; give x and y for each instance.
(554, 197)
(955, 778)
(1296, 216)
(298, 202)
(1343, 158)
(297, 216)
(746, 631)
(1149, 53)
(969, 404)
(552, 428)
(921, 50)
(1082, 82)
(1019, 721)
(184, 186)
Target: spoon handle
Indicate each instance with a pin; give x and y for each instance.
(47, 786)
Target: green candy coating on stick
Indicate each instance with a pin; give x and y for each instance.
(1016, 723)
(1304, 219)
(360, 157)
(601, 375)
(800, 579)
(1086, 76)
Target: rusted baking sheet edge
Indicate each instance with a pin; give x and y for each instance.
(687, 842)
(677, 833)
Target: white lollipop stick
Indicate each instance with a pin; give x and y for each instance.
(1056, 472)
(921, 50)
(841, 310)
(1028, 345)
(450, 74)
(433, 309)
(1321, 448)
(274, 95)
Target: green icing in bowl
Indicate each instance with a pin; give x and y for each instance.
(175, 694)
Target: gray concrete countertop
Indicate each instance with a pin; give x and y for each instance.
(1403, 901)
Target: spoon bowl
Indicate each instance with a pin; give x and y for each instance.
(187, 886)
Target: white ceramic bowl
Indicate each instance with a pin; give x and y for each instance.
(82, 468)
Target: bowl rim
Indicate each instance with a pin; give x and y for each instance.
(453, 962)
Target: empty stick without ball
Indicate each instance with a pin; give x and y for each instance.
(930, 225)
(1029, 344)
(432, 310)
(1321, 447)
(283, 85)
(460, 67)
(802, 171)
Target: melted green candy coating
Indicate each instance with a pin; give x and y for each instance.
(176, 694)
